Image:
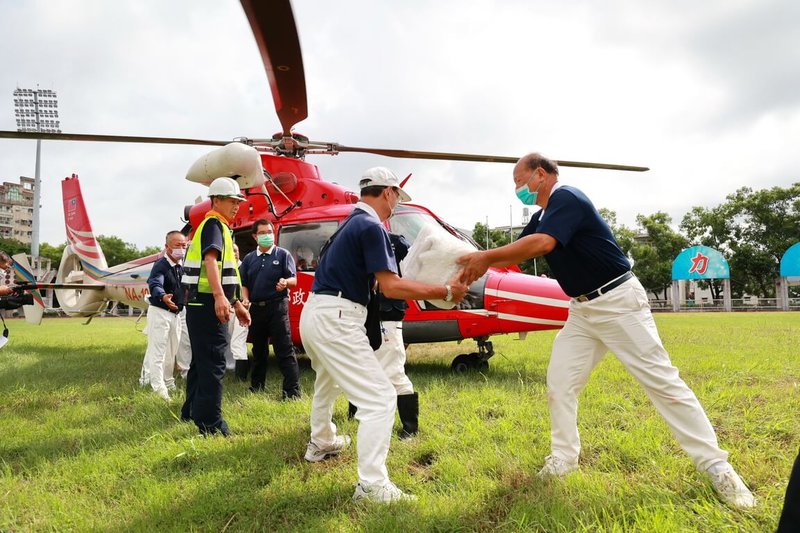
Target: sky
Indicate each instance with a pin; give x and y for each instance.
(706, 94)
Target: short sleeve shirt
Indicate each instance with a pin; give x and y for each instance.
(211, 239)
(359, 250)
(586, 255)
(261, 271)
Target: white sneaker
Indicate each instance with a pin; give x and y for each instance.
(730, 487)
(557, 467)
(316, 454)
(387, 493)
(163, 393)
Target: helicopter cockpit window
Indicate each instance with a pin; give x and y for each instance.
(304, 241)
(409, 222)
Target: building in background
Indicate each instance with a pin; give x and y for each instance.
(16, 210)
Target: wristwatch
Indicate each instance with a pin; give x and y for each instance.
(449, 297)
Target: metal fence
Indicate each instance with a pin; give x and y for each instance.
(708, 304)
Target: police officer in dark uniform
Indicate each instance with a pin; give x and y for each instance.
(212, 276)
(267, 274)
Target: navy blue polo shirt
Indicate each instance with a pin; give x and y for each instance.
(211, 239)
(586, 256)
(261, 271)
(358, 251)
(165, 278)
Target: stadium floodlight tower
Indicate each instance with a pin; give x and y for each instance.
(36, 111)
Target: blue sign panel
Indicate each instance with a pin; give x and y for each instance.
(700, 262)
(790, 262)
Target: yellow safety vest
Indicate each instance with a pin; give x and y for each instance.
(194, 270)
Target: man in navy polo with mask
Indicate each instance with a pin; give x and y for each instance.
(609, 311)
(167, 298)
(267, 274)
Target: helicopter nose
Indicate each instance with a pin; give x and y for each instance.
(532, 301)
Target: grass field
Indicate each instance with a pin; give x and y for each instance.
(82, 447)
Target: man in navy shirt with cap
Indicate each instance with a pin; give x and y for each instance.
(267, 274)
(332, 328)
(609, 311)
(167, 298)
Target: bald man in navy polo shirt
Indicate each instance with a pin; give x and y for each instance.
(609, 311)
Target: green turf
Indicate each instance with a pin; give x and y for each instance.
(82, 447)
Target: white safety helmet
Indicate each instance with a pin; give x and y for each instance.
(225, 188)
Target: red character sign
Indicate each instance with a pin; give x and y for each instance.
(699, 264)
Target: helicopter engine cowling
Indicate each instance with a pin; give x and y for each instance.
(232, 160)
(77, 302)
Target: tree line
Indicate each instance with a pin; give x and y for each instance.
(752, 230)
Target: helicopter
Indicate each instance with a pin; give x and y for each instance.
(281, 186)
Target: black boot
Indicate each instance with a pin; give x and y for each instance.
(351, 411)
(242, 369)
(408, 408)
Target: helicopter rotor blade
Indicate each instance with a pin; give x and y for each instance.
(106, 138)
(447, 156)
(279, 45)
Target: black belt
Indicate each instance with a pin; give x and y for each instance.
(605, 288)
(265, 303)
(326, 292)
(338, 294)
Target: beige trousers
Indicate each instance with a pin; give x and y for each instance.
(620, 321)
(335, 340)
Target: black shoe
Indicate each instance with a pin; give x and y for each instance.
(222, 429)
(351, 411)
(291, 395)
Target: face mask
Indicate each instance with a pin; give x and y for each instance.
(527, 197)
(178, 253)
(266, 240)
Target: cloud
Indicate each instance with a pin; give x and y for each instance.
(705, 94)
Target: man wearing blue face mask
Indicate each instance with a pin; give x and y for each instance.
(267, 274)
(167, 298)
(609, 311)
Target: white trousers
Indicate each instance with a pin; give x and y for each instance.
(184, 356)
(392, 357)
(237, 345)
(163, 337)
(620, 321)
(335, 340)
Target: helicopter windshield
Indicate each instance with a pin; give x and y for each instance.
(408, 222)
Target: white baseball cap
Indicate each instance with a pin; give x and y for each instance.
(383, 177)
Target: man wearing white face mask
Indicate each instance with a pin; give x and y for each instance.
(267, 274)
(609, 311)
(167, 299)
